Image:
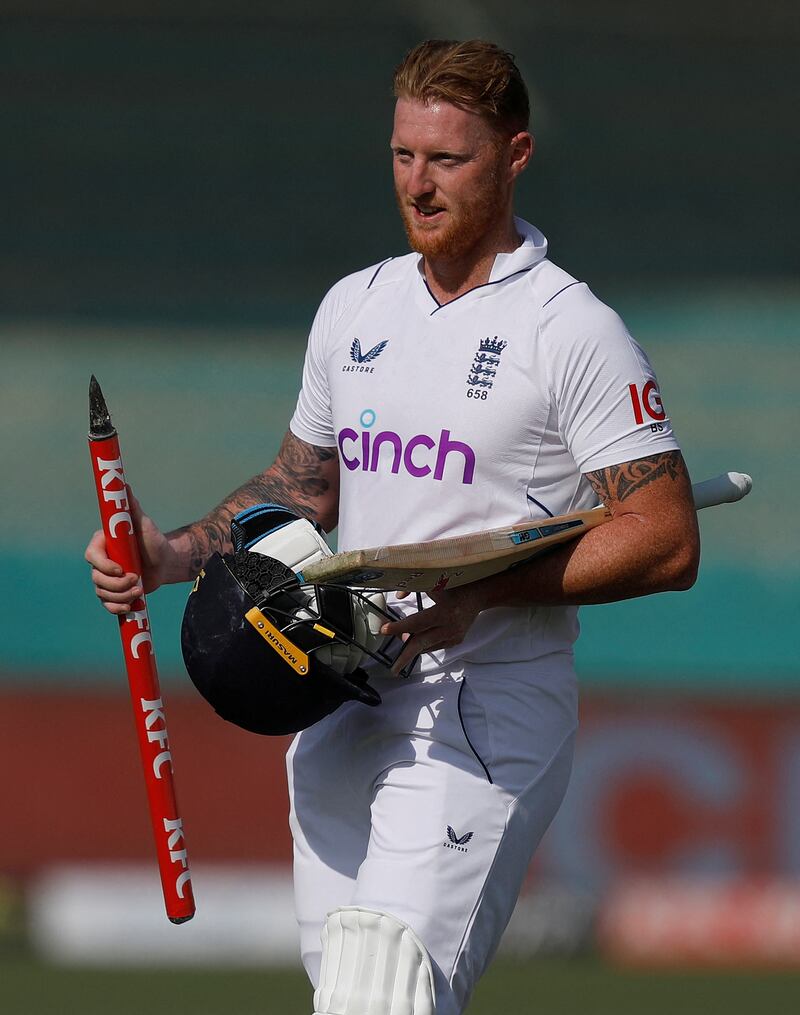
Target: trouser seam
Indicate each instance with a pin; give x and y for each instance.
(473, 912)
(466, 735)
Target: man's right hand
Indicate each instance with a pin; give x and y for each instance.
(115, 589)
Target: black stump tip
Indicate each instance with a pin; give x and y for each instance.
(100, 425)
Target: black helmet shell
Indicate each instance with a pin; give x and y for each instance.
(246, 681)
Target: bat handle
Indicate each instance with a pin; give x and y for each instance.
(724, 489)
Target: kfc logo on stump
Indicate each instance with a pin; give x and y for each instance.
(646, 401)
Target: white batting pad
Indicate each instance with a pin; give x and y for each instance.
(372, 964)
(296, 545)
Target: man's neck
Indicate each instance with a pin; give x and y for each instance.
(451, 277)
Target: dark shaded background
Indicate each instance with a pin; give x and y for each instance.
(182, 182)
(197, 162)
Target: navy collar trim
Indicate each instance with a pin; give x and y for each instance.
(483, 285)
(560, 291)
(378, 269)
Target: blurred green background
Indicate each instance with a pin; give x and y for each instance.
(181, 182)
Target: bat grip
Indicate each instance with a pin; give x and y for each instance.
(724, 489)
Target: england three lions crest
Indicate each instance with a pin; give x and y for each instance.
(484, 367)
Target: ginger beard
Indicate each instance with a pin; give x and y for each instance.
(469, 218)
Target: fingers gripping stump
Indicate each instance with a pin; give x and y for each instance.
(372, 964)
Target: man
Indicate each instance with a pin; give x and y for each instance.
(466, 385)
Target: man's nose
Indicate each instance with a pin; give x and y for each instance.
(419, 180)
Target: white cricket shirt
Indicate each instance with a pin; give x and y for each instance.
(481, 412)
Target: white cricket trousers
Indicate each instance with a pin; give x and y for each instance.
(430, 806)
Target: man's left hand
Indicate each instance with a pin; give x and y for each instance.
(439, 626)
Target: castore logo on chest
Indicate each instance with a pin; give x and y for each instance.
(361, 360)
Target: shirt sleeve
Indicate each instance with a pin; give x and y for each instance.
(312, 420)
(606, 393)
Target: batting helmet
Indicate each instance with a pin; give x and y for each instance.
(252, 637)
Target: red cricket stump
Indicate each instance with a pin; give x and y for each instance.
(140, 663)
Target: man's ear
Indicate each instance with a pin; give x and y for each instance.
(521, 149)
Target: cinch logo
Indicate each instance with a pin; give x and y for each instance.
(419, 456)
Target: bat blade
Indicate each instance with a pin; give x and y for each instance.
(447, 563)
(437, 563)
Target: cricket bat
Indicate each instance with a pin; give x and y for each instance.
(445, 563)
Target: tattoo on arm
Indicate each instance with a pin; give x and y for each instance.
(619, 481)
(297, 480)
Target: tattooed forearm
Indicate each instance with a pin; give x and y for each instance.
(300, 472)
(619, 481)
(205, 537)
(304, 478)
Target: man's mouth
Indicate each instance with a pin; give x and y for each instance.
(425, 212)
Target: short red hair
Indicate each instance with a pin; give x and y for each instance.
(474, 75)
